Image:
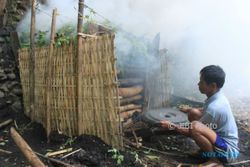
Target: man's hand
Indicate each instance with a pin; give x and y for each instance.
(167, 125)
(185, 110)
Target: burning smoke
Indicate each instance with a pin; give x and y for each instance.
(196, 33)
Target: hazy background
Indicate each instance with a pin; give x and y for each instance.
(195, 32)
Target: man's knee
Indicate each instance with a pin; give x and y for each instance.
(194, 114)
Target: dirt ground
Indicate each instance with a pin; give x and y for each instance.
(169, 149)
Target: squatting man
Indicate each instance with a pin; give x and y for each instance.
(212, 127)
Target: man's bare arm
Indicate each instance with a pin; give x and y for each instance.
(181, 129)
(194, 114)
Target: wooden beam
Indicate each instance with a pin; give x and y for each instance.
(26, 150)
(32, 59)
(49, 73)
(79, 63)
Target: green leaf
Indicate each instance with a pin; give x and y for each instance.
(2, 143)
(153, 157)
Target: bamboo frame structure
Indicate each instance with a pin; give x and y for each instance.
(97, 94)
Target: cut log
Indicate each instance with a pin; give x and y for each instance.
(127, 114)
(129, 107)
(130, 91)
(7, 122)
(130, 99)
(130, 82)
(25, 148)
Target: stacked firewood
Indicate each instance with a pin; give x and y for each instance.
(131, 98)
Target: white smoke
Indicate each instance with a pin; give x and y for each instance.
(66, 14)
(195, 32)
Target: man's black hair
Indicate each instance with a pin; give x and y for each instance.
(213, 73)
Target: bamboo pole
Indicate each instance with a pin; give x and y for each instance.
(58, 162)
(32, 59)
(5, 151)
(5, 123)
(79, 64)
(49, 73)
(25, 148)
(50, 154)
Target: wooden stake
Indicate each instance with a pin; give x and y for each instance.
(5, 123)
(61, 163)
(79, 63)
(50, 154)
(49, 73)
(32, 59)
(5, 152)
(26, 150)
(65, 156)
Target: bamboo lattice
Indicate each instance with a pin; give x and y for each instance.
(82, 100)
(157, 94)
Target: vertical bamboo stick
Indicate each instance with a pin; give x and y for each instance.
(49, 73)
(79, 63)
(117, 105)
(32, 59)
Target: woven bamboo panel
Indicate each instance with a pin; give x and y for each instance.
(99, 89)
(81, 100)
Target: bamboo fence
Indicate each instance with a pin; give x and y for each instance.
(157, 94)
(80, 92)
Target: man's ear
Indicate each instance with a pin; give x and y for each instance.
(214, 85)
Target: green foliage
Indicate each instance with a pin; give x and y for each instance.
(65, 34)
(69, 142)
(41, 38)
(117, 156)
(136, 156)
(24, 38)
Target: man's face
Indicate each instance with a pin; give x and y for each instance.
(203, 86)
